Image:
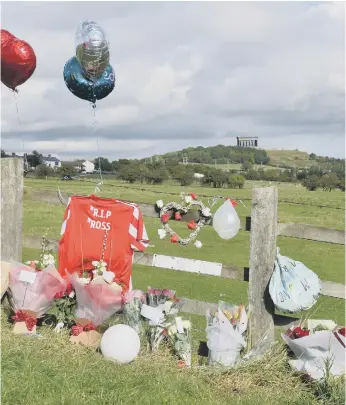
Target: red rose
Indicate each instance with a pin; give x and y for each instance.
(59, 295)
(177, 216)
(193, 196)
(342, 331)
(192, 225)
(299, 332)
(69, 289)
(233, 202)
(165, 218)
(174, 238)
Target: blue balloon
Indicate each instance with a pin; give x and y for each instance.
(84, 88)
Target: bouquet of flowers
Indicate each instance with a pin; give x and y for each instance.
(167, 305)
(32, 293)
(225, 331)
(65, 303)
(133, 301)
(97, 300)
(317, 344)
(181, 338)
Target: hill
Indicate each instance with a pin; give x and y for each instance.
(232, 157)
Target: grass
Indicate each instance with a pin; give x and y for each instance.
(53, 369)
(290, 158)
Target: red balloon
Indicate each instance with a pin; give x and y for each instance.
(5, 35)
(18, 60)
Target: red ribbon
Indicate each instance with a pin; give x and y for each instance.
(78, 329)
(22, 316)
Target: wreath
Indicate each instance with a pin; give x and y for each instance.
(188, 201)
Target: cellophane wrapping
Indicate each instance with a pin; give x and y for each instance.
(95, 302)
(37, 296)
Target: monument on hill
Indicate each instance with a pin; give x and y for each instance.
(247, 141)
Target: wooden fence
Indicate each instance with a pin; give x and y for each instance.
(262, 225)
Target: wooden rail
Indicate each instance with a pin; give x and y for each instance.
(293, 230)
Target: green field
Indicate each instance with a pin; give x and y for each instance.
(155, 379)
(289, 158)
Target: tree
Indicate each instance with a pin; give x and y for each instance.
(236, 181)
(129, 173)
(43, 171)
(106, 165)
(157, 174)
(66, 169)
(35, 159)
(311, 182)
(183, 174)
(312, 156)
(246, 166)
(329, 181)
(3, 153)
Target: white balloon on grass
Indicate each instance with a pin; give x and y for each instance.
(120, 343)
(226, 221)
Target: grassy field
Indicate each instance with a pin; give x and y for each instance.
(289, 158)
(101, 382)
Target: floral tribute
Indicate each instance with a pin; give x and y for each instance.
(177, 211)
(133, 301)
(46, 255)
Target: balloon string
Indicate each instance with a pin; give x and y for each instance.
(98, 151)
(26, 166)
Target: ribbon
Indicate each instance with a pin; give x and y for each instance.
(22, 316)
(78, 329)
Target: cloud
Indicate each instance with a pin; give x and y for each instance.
(188, 74)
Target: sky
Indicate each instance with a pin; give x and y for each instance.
(187, 74)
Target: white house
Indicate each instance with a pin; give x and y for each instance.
(52, 162)
(88, 166)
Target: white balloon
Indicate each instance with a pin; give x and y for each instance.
(226, 221)
(120, 343)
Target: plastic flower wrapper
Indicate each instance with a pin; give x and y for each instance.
(224, 341)
(235, 314)
(96, 302)
(33, 291)
(166, 301)
(180, 334)
(133, 301)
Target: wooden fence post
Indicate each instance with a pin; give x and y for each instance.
(262, 257)
(12, 187)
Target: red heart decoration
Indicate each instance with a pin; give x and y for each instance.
(18, 60)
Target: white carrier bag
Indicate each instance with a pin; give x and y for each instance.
(293, 287)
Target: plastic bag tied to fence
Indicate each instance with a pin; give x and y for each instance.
(293, 287)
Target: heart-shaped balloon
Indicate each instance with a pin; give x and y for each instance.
(92, 49)
(18, 60)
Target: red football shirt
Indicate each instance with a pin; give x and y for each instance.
(83, 231)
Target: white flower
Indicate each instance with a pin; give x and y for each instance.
(206, 212)
(188, 199)
(45, 257)
(103, 266)
(72, 294)
(58, 327)
(51, 261)
(198, 244)
(95, 263)
(162, 233)
(108, 276)
(84, 281)
(159, 203)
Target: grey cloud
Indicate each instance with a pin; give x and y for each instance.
(246, 67)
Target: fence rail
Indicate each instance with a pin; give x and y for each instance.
(289, 229)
